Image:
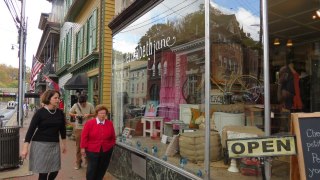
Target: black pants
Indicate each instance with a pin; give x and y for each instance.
(98, 164)
(48, 176)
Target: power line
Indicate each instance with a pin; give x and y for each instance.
(157, 19)
(14, 14)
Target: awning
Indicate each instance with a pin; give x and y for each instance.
(78, 81)
(31, 95)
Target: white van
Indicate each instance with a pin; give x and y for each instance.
(11, 105)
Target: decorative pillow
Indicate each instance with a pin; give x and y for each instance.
(200, 120)
(195, 113)
(173, 147)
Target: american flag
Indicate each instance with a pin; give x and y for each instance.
(52, 84)
(36, 67)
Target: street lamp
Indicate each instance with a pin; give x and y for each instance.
(13, 46)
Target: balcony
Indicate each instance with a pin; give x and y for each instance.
(40, 81)
(48, 68)
(74, 10)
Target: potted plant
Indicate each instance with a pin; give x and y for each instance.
(69, 129)
(31, 106)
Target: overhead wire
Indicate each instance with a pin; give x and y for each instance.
(157, 19)
(14, 14)
(156, 16)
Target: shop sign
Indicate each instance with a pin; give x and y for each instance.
(306, 127)
(258, 147)
(149, 48)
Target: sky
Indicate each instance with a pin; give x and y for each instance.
(247, 13)
(9, 32)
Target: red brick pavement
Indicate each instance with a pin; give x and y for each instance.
(68, 160)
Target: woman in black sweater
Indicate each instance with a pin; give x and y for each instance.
(44, 130)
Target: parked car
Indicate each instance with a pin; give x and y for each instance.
(135, 111)
(11, 105)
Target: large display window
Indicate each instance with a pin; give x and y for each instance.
(158, 69)
(159, 62)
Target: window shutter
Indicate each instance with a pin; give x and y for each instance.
(85, 39)
(63, 51)
(90, 34)
(60, 55)
(94, 29)
(81, 43)
(76, 52)
(69, 46)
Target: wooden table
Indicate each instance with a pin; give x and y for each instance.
(168, 127)
(250, 110)
(153, 129)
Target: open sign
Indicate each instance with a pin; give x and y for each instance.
(257, 147)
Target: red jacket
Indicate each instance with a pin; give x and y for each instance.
(94, 136)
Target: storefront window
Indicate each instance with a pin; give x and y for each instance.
(166, 45)
(165, 115)
(236, 76)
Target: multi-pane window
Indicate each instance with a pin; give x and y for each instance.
(79, 46)
(65, 49)
(92, 31)
(87, 37)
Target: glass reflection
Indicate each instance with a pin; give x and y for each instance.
(158, 67)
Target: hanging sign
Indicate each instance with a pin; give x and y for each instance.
(261, 147)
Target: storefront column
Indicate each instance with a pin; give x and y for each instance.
(267, 111)
(207, 91)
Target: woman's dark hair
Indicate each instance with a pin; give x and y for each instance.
(82, 98)
(47, 95)
(101, 107)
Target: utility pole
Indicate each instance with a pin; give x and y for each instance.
(22, 34)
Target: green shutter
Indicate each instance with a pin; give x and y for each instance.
(85, 39)
(76, 49)
(60, 55)
(69, 46)
(63, 52)
(94, 29)
(81, 43)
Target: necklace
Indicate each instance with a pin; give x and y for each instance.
(50, 111)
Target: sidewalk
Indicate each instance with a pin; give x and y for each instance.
(67, 164)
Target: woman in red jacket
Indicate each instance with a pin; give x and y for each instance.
(97, 140)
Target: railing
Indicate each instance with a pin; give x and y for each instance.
(48, 67)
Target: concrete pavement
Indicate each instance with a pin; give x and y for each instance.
(68, 160)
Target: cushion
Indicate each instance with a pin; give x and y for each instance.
(173, 147)
(200, 120)
(192, 145)
(195, 113)
(199, 114)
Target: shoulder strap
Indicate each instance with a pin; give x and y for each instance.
(79, 108)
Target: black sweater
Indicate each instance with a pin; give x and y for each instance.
(46, 127)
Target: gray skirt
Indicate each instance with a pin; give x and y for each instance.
(44, 157)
